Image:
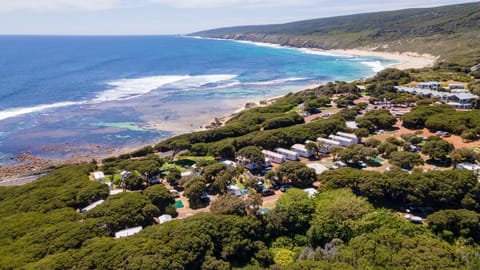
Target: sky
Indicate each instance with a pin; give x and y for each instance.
(153, 17)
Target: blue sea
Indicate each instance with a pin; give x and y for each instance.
(61, 96)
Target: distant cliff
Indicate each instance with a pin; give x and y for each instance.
(450, 32)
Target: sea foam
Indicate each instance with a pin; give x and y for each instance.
(325, 53)
(131, 88)
(126, 89)
(9, 113)
(376, 66)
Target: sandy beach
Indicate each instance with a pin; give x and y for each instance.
(406, 60)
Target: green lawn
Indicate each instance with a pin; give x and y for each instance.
(113, 178)
(196, 159)
(294, 109)
(169, 166)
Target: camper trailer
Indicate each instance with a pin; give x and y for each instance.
(326, 144)
(342, 140)
(289, 154)
(274, 157)
(301, 150)
(350, 136)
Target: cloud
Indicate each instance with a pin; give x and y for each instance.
(13, 5)
(230, 3)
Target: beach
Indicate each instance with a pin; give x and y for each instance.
(406, 60)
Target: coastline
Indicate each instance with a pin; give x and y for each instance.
(406, 60)
(34, 165)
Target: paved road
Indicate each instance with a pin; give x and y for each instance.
(21, 180)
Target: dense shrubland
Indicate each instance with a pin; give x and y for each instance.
(346, 225)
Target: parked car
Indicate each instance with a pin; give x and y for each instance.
(205, 200)
(268, 192)
(265, 170)
(284, 188)
(362, 164)
(175, 193)
(338, 165)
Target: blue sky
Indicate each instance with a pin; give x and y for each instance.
(117, 17)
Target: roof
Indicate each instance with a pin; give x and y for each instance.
(91, 206)
(351, 124)
(468, 166)
(116, 191)
(273, 154)
(286, 151)
(187, 173)
(311, 192)
(340, 138)
(164, 218)
(99, 176)
(427, 92)
(319, 168)
(300, 147)
(429, 83)
(128, 232)
(348, 135)
(229, 163)
(328, 141)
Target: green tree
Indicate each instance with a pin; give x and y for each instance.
(193, 191)
(159, 196)
(335, 213)
(223, 150)
(411, 138)
(356, 153)
(222, 181)
(252, 153)
(438, 149)
(174, 174)
(228, 205)
(342, 102)
(387, 149)
(313, 147)
(120, 211)
(176, 146)
(379, 119)
(405, 160)
(92, 192)
(463, 155)
(292, 213)
(211, 171)
(372, 142)
(452, 224)
(469, 135)
(362, 133)
(133, 182)
(297, 173)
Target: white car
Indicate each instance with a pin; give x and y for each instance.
(175, 193)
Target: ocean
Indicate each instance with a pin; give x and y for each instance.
(61, 96)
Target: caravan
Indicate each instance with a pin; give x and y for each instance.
(290, 155)
(301, 150)
(273, 157)
(342, 140)
(350, 136)
(327, 144)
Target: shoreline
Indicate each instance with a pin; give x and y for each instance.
(37, 164)
(407, 60)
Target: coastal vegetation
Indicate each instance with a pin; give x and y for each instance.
(448, 32)
(346, 226)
